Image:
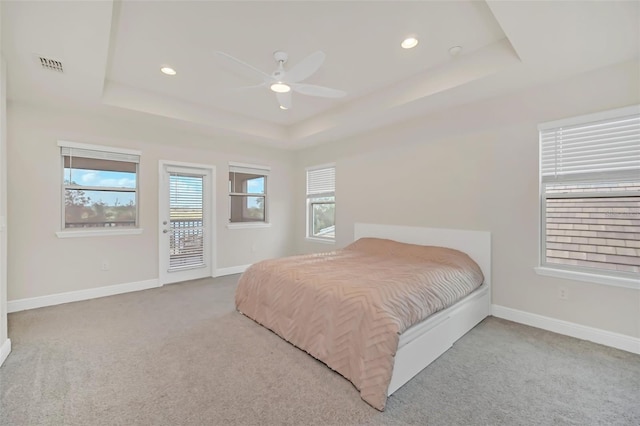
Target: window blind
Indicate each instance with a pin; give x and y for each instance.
(249, 169)
(99, 155)
(186, 244)
(604, 146)
(321, 181)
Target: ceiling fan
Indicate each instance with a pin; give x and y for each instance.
(282, 82)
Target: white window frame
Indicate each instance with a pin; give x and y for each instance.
(256, 169)
(310, 202)
(98, 232)
(624, 173)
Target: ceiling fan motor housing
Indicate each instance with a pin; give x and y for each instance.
(280, 56)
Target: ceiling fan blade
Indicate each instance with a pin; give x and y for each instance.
(305, 68)
(323, 92)
(284, 99)
(241, 67)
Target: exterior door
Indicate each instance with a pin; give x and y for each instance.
(186, 222)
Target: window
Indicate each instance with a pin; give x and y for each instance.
(321, 203)
(590, 194)
(247, 193)
(99, 187)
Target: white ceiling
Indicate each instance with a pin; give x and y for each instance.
(112, 53)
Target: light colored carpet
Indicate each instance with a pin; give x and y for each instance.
(181, 355)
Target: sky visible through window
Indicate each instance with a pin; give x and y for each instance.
(106, 179)
(254, 186)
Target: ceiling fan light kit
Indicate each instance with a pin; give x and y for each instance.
(283, 82)
(280, 87)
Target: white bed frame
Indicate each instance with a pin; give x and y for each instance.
(421, 344)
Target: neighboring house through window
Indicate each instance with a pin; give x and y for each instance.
(590, 197)
(248, 193)
(99, 187)
(321, 203)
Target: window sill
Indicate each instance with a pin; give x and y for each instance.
(98, 233)
(584, 276)
(320, 240)
(248, 225)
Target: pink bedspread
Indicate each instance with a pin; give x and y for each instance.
(348, 307)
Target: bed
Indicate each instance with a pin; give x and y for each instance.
(368, 315)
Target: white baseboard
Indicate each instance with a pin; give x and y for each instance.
(92, 293)
(596, 335)
(230, 271)
(5, 350)
(74, 296)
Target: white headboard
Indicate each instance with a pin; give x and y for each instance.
(477, 244)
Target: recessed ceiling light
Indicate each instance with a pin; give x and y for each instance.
(409, 43)
(280, 87)
(168, 70)
(283, 107)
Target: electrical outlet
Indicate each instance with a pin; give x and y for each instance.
(563, 293)
(105, 265)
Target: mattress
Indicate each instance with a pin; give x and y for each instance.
(348, 307)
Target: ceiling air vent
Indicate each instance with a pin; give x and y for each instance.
(50, 64)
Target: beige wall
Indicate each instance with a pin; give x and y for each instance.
(43, 264)
(476, 167)
(3, 198)
(472, 167)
